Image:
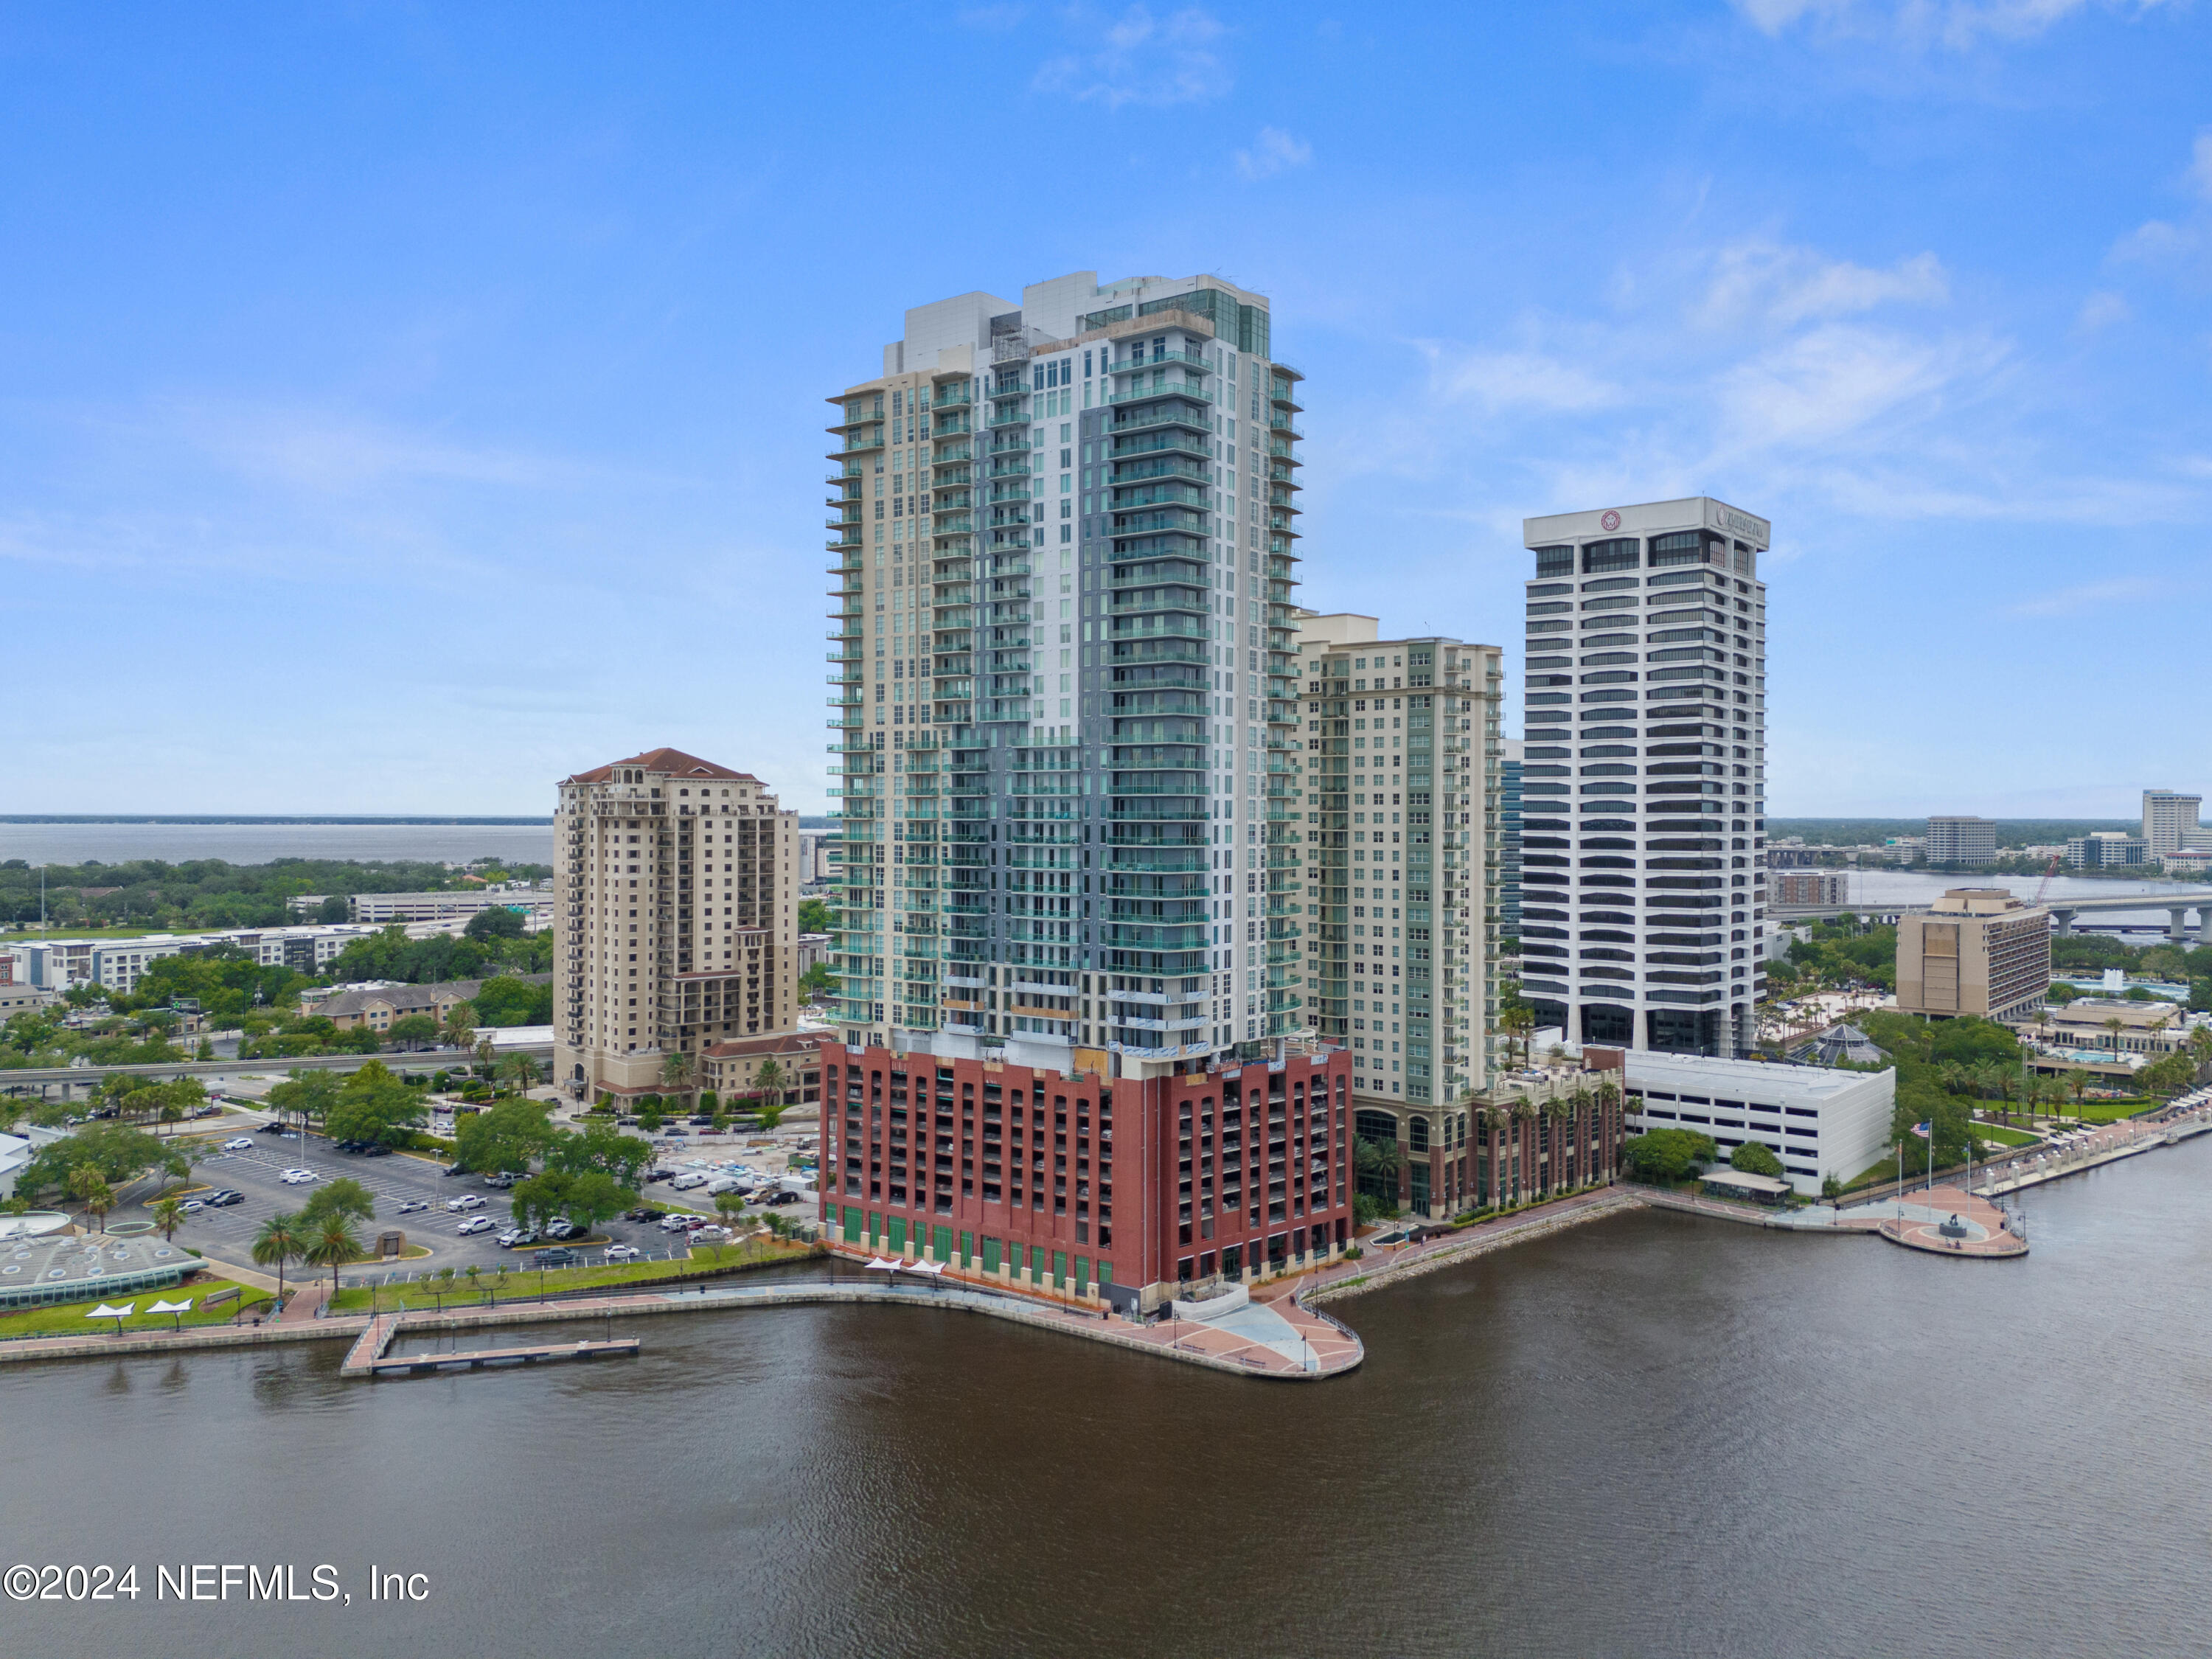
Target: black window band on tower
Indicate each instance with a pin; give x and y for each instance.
(1555, 561)
(1683, 547)
(1622, 553)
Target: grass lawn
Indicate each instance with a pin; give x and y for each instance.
(2109, 1111)
(68, 1318)
(2002, 1136)
(522, 1281)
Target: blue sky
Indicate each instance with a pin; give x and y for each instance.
(401, 406)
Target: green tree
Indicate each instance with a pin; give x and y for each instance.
(372, 1104)
(601, 1147)
(506, 999)
(412, 1031)
(496, 923)
(117, 1153)
(1664, 1156)
(305, 1097)
(815, 917)
(729, 1206)
(1518, 1022)
(90, 1190)
(675, 1071)
(332, 1243)
(280, 1239)
(595, 1196)
(460, 1030)
(542, 1197)
(343, 1197)
(1754, 1158)
(505, 1137)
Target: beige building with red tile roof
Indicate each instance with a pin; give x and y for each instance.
(677, 910)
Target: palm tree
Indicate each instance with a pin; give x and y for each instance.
(769, 1080)
(334, 1246)
(675, 1071)
(169, 1213)
(279, 1241)
(2113, 1027)
(460, 1027)
(1518, 1021)
(89, 1189)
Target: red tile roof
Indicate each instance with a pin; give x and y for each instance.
(674, 762)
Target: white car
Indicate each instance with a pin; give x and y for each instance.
(727, 1184)
(466, 1201)
(298, 1178)
(238, 1144)
(624, 1253)
(475, 1224)
(685, 1182)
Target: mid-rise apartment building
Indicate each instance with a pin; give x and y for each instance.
(1976, 950)
(1808, 888)
(676, 898)
(1643, 789)
(2169, 820)
(1107, 1190)
(1959, 839)
(1064, 540)
(2106, 849)
(1400, 877)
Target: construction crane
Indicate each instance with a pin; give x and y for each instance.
(2052, 871)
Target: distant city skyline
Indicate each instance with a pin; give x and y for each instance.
(401, 405)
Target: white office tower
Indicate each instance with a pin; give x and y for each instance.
(1066, 546)
(1643, 812)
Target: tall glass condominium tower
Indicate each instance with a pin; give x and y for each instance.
(1066, 550)
(1643, 781)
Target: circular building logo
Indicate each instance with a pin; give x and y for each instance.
(1611, 521)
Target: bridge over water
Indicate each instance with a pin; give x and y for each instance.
(2177, 905)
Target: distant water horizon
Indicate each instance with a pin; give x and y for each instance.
(177, 838)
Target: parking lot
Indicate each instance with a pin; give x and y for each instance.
(226, 1234)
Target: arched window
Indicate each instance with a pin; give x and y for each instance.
(1417, 1134)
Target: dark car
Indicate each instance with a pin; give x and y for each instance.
(225, 1197)
(676, 1132)
(375, 1149)
(706, 1119)
(454, 1169)
(781, 1198)
(271, 1129)
(643, 1212)
(658, 1174)
(559, 1256)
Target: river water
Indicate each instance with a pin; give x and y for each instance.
(1652, 1435)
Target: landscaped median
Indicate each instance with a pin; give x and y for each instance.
(706, 1262)
(70, 1318)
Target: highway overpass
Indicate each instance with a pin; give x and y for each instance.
(71, 1078)
(2177, 905)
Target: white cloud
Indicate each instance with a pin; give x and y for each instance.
(1821, 386)
(1790, 285)
(1272, 152)
(2102, 310)
(1518, 379)
(2071, 601)
(1138, 59)
(1957, 24)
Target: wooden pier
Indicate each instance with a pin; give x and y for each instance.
(418, 1365)
(367, 1358)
